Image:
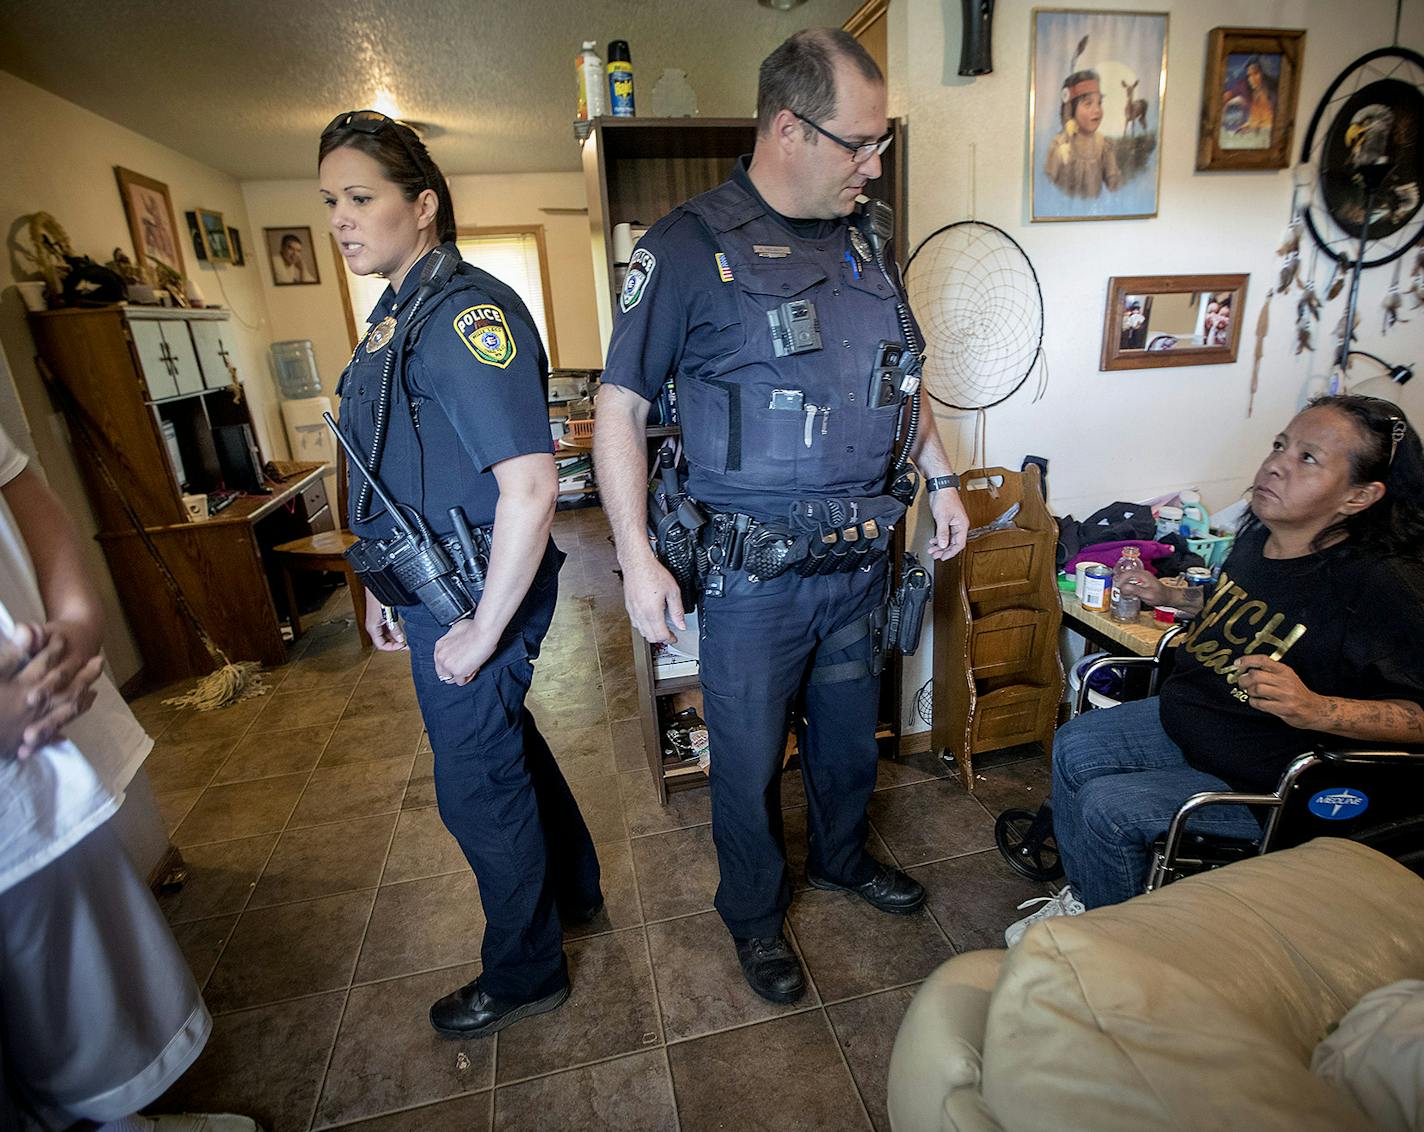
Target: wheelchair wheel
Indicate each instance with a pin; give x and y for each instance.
(1028, 852)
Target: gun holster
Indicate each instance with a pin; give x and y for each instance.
(432, 572)
(675, 522)
(905, 612)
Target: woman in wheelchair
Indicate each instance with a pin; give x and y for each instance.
(1315, 629)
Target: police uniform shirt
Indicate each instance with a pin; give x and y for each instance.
(681, 308)
(680, 314)
(476, 377)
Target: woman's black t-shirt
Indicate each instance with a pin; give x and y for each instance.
(1348, 624)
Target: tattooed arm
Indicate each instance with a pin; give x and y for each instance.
(1275, 688)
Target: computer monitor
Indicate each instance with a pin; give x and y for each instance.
(238, 458)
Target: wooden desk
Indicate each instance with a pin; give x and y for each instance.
(1139, 638)
(224, 570)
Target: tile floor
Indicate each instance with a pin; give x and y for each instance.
(327, 908)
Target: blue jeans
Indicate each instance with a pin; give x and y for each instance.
(1117, 781)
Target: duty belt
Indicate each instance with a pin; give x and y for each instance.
(737, 541)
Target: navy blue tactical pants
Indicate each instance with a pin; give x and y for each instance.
(760, 641)
(502, 796)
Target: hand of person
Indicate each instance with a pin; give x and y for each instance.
(30, 717)
(1274, 688)
(387, 636)
(951, 524)
(462, 652)
(78, 645)
(653, 599)
(1146, 586)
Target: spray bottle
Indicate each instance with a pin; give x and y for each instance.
(591, 100)
(620, 78)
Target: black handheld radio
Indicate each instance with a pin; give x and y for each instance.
(413, 567)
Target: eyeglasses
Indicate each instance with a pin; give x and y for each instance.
(859, 154)
(372, 122)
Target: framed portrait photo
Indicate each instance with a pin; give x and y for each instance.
(292, 256)
(1154, 321)
(209, 235)
(152, 226)
(1249, 97)
(1097, 82)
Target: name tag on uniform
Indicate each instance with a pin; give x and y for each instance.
(771, 251)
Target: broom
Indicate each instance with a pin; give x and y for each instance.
(230, 683)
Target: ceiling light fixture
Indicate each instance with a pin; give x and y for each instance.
(781, 5)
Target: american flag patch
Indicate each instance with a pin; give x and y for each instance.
(724, 269)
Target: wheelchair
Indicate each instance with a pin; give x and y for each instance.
(1370, 794)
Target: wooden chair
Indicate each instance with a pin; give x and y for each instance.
(324, 553)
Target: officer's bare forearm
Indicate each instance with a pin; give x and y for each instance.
(621, 461)
(528, 494)
(928, 450)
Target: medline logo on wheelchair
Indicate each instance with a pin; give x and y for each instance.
(1338, 804)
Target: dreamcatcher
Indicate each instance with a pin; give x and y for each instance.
(980, 307)
(1361, 203)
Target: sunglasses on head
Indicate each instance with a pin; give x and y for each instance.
(373, 122)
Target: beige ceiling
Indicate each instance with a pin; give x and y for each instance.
(246, 85)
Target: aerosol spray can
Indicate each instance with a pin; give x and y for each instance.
(592, 102)
(620, 78)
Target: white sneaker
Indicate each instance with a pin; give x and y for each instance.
(1061, 903)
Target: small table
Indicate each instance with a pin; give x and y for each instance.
(1138, 637)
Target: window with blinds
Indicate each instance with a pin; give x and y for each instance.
(511, 257)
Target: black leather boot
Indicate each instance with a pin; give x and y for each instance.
(471, 1013)
(771, 968)
(887, 890)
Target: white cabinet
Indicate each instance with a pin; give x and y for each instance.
(214, 357)
(180, 353)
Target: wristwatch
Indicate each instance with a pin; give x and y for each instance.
(940, 482)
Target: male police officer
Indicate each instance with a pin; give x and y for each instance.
(773, 312)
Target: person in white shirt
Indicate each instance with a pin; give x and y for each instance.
(99, 1014)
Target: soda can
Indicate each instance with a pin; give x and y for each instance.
(1097, 585)
(1198, 576)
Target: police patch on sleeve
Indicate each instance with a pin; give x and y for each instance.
(485, 331)
(640, 270)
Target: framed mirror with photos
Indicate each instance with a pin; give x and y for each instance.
(1172, 320)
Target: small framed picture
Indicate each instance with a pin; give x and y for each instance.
(1248, 101)
(209, 235)
(234, 240)
(1172, 320)
(1096, 85)
(292, 256)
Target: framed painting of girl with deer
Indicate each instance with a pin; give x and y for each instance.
(1097, 83)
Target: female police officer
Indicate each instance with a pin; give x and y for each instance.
(445, 401)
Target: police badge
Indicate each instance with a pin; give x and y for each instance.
(861, 245)
(640, 270)
(485, 331)
(380, 334)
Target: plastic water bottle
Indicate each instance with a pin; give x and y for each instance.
(620, 79)
(592, 100)
(1126, 604)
